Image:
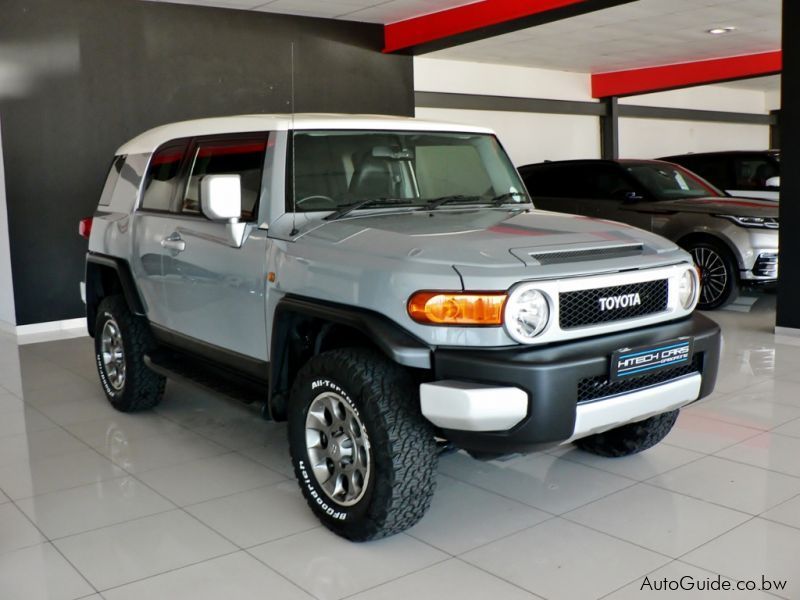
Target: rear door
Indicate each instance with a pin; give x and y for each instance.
(550, 187)
(607, 192)
(152, 222)
(216, 292)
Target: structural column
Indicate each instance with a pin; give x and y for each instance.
(788, 315)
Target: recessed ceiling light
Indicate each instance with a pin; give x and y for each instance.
(721, 30)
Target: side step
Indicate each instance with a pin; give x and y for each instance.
(189, 369)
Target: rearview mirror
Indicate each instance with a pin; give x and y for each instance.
(773, 182)
(221, 197)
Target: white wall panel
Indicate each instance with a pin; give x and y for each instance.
(704, 97)
(649, 138)
(460, 77)
(530, 137)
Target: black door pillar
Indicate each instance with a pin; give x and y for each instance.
(609, 129)
(788, 314)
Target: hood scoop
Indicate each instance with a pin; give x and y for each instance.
(561, 256)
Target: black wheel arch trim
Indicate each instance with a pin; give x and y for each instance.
(94, 292)
(390, 338)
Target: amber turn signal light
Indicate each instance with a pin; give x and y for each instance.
(454, 308)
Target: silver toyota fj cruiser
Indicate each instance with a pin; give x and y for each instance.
(385, 285)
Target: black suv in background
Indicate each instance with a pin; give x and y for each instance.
(734, 241)
(752, 174)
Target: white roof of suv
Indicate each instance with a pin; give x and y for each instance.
(148, 141)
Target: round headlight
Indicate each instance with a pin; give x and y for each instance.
(687, 288)
(527, 313)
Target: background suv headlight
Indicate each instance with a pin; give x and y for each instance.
(753, 222)
(527, 313)
(687, 288)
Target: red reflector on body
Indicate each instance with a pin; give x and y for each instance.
(85, 227)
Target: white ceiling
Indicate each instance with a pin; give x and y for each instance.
(637, 34)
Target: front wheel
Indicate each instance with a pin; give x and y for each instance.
(363, 454)
(719, 284)
(631, 438)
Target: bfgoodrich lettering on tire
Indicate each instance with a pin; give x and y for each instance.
(364, 456)
(120, 341)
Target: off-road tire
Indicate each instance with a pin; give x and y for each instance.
(629, 439)
(707, 250)
(402, 451)
(142, 388)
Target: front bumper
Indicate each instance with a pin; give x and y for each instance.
(555, 379)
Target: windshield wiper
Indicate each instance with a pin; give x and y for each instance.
(504, 198)
(346, 209)
(441, 201)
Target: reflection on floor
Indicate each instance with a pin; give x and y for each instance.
(196, 499)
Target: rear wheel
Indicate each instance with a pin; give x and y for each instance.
(719, 282)
(363, 454)
(631, 438)
(121, 341)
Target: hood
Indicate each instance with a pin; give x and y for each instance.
(480, 237)
(739, 207)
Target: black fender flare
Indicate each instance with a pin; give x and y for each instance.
(95, 265)
(396, 343)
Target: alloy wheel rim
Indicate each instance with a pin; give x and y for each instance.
(113, 354)
(713, 274)
(338, 448)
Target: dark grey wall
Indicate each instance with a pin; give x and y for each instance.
(788, 314)
(89, 74)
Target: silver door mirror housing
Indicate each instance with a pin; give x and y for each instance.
(221, 197)
(773, 182)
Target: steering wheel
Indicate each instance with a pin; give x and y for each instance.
(317, 197)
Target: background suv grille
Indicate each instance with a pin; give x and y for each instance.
(581, 308)
(595, 388)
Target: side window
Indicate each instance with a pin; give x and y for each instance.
(714, 169)
(162, 176)
(240, 156)
(752, 173)
(604, 182)
(549, 182)
(111, 180)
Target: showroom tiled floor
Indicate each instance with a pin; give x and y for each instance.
(196, 499)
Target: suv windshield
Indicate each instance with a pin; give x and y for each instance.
(668, 182)
(334, 170)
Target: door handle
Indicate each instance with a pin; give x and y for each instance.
(174, 243)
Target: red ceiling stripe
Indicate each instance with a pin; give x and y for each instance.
(653, 79)
(460, 19)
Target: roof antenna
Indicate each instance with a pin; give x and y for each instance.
(294, 230)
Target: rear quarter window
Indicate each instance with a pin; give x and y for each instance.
(111, 180)
(163, 176)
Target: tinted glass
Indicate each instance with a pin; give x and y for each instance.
(338, 168)
(240, 156)
(586, 181)
(751, 173)
(162, 176)
(111, 180)
(667, 182)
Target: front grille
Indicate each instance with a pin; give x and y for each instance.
(595, 388)
(581, 308)
(567, 256)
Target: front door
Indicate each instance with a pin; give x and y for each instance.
(215, 291)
